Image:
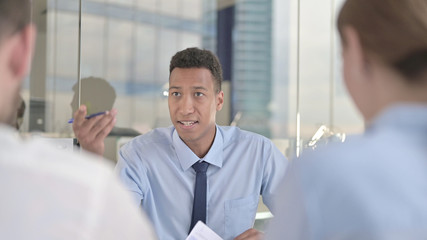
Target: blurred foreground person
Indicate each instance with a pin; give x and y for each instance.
(46, 194)
(374, 185)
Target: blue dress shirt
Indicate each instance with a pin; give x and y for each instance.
(373, 186)
(156, 168)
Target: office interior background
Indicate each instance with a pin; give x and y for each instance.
(281, 63)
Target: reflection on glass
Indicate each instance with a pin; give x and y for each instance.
(323, 136)
(96, 93)
(98, 96)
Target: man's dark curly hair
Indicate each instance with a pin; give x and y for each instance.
(198, 58)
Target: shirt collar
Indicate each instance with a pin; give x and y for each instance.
(187, 158)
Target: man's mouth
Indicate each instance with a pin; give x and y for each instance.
(188, 123)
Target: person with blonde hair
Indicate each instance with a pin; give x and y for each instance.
(374, 185)
(46, 193)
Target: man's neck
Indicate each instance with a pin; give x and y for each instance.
(201, 148)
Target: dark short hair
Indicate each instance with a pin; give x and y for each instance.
(198, 58)
(14, 15)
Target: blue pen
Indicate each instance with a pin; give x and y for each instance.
(89, 116)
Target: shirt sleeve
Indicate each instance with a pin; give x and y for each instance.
(131, 173)
(275, 165)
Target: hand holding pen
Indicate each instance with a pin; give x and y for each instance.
(91, 130)
(89, 116)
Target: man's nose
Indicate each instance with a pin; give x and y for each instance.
(187, 105)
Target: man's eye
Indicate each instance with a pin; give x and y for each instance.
(175, 94)
(199, 94)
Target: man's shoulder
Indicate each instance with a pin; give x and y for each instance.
(157, 137)
(41, 158)
(232, 134)
(64, 183)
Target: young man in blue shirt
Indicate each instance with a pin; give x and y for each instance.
(157, 167)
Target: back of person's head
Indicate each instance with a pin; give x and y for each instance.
(198, 58)
(16, 45)
(14, 15)
(96, 93)
(394, 32)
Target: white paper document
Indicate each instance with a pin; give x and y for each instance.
(202, 232)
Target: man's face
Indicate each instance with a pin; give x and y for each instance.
(193, 103)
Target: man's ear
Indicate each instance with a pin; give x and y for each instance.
(22, 51)
(220, 100)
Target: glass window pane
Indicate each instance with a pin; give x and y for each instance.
(191, 9)
(54, 68)
(129, 43)
(149, 5)
(169, 7)
(94, 46)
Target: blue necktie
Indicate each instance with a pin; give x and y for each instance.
(199, 203)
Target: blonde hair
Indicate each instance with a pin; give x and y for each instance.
(394, 31)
